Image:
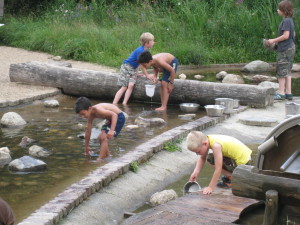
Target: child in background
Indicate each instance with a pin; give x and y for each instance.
(166, 64)
(115, 119)
(130, 67)
(285, 50)
(227, 154)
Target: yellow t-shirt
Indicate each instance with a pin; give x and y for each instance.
(232, 148)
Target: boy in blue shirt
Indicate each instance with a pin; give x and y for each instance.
(130, 67)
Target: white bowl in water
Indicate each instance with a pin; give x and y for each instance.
(189, 107)
(214, 110)
(150, 88)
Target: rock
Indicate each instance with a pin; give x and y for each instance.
(233, 79)
(182, 76)
(38, 151)
(269, 84)
(259, 121)
(5, 157)
(221, 75)
(198, 77)
(51, 103)
(296, 67)
(187, 116)
(11, 119)
(162, 197)
(130, 127)
(27, 164)
(257, 66)
(57, 58)
(261, 78)
(149, 121)
(26, 141)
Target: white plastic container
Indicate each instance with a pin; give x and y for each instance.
(150, 89)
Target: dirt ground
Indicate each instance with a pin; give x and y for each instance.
(11, 91)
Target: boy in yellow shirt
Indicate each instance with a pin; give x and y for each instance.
(227, 154)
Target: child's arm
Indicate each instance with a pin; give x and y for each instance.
(150, 77)
(198, 168)
(218, 156)
(283, 37)
(113, 117)
(88, 136)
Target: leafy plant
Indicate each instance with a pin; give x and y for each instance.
(172, 146)
(134, 167)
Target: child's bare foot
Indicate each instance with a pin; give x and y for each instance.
(161, 109)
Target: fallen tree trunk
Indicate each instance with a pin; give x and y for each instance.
(103, 85)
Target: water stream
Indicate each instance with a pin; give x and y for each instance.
(57, 130)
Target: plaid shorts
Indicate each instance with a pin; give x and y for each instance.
(284, 62)
(127, 75)
(228, 163)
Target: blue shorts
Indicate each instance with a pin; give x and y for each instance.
(166, 73)
(120, 123)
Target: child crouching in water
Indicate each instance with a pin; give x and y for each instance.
(115, 119)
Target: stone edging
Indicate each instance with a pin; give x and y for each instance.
(53, 211)
(29, 99)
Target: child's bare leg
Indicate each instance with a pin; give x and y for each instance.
(119, 95)
(164, 96)
(128, 93)
(281, 88)
(288, 85)
(104, 152)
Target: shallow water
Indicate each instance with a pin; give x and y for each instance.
(57, 130)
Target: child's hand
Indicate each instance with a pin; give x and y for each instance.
(207, 191)
(139, 74)
(88, 151)
(110, 134)
(170, 87)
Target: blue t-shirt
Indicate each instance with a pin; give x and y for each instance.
(132, 59)
(286, 24)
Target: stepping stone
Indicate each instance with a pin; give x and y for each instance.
(259, 121)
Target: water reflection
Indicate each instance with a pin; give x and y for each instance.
(57, 130)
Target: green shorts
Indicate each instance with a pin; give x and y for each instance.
(284, 62)
(127, 75)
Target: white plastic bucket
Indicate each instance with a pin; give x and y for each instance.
(150, 88)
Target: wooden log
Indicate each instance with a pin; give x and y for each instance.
(248, 182)
(103, 85)
(271, 210)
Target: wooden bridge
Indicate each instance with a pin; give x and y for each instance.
(219, 208)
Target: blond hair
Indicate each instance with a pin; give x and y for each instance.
(146, 38)
(195, 139)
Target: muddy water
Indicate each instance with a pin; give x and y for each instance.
(57, 130)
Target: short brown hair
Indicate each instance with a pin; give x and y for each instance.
(286, 7)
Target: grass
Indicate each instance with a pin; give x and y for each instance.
(106, 32)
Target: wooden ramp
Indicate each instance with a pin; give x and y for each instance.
(220, 208)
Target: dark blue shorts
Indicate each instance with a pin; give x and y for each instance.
(120, 123)
(166, 73)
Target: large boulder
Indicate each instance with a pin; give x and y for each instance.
(257, 66)
(12, 119)
(27, 164)
(5, 157)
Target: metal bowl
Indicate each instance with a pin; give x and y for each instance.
(189, 107)
(191, 187)
(214, 110)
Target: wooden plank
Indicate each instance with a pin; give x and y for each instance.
(219, 208)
